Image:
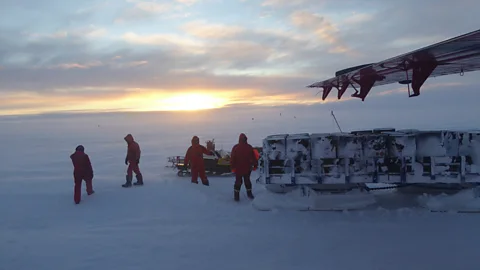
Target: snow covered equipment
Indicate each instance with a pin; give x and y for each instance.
(407, 161)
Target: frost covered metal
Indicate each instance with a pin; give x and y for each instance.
(376, 156)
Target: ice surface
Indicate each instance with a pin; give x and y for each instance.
(467, 200)
(304, 198)
(172, 224)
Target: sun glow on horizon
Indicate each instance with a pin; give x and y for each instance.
(186, 102)
(145, 100)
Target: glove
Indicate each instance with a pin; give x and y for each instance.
(126, 160)
(138, 161)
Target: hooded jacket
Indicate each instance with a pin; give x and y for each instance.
(243, 157)
(195, 153)
(82, 167)
(133, 149)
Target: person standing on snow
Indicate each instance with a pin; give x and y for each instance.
(132, 160)
(194, 156)
(82, 171)
(243, 159)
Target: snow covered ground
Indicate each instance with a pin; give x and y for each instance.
(172, 224)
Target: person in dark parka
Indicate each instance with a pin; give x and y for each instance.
(243, 160)
(82, 171)
(133, 160)
(194, 156)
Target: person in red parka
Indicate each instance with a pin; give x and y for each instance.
(243, 160)
(194, 156)
(132, 160)
(82, 171)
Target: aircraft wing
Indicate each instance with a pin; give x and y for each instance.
(453, 56)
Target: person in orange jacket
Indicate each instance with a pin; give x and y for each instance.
(243, 159)
(82, 171)
(132, 160)
(194, 156)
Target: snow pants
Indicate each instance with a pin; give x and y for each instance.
(245, 178)
(77, 190)
(198, 171)
(133, 167)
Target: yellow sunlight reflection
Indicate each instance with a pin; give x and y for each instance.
(184, 102)
(147, 100)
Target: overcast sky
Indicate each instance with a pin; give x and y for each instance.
(122, 54)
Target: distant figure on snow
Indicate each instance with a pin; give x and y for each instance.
(82, 170)
(132, 160)
(194, 156)
(243, 159)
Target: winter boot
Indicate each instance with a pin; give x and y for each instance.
(89, 187)
(248, 187)
(139, 180)
(250, 194)
(236, 193)
(128, 183)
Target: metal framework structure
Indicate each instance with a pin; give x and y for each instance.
(453, 56)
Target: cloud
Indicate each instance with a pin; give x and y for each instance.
(202, 29)
(427, 87)
(213, 47)
(188, 2)
(321, 27)
(143, 10)
(358, 18)
(78, 65)
(87, 32)
(139, 10)
(162, 39)
(282, 2)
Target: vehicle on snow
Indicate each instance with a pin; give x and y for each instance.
(216, 164)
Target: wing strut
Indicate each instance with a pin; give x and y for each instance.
(368, 77)
(423, 66)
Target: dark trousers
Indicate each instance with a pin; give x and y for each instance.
(245, 178)
(198, 172)
(133, 167)
(77, 190)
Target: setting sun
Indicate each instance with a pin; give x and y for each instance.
(188, 102)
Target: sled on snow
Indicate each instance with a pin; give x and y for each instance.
(216, 164)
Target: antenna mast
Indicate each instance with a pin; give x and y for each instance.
(334, 118)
